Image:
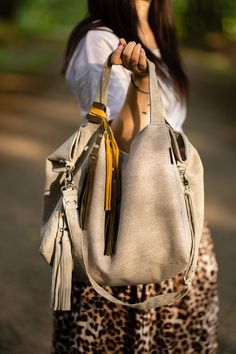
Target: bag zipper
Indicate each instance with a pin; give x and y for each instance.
(188, 197)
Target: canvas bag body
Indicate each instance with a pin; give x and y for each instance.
(161, 216)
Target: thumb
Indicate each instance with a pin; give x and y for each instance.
(116, 55)
(122, 41)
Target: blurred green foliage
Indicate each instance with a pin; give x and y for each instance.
(24, 24)
(52, 18)
(43, 18)
(195, 18)
(27, 57)
(55, 18)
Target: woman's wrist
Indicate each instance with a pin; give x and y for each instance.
(140, 82)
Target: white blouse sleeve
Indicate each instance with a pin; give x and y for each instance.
(85, 68)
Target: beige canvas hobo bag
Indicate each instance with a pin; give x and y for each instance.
(115, 218)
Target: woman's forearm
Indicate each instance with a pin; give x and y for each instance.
(134, 114)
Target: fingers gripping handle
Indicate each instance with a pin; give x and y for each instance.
(158, 114)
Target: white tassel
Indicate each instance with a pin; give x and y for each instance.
(62, 269)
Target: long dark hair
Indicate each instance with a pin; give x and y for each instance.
(118, 15)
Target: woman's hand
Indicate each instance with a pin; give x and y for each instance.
(133, 115)
(131, 56)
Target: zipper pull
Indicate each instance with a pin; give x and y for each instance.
(185, 180)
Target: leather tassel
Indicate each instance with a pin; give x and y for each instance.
(110, 232)
(112, 215)
(62, 269)
(109, 167)
(112, 183)
(87, 195)
(116, 164)
(112, 154)
(87, 191)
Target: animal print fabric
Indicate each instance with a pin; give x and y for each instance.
(95, 325)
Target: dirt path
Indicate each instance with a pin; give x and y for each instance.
(37, 114)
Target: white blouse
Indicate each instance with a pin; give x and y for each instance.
(84, 70)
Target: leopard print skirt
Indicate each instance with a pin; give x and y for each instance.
(189, 326)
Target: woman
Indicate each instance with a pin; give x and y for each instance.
(133, 30)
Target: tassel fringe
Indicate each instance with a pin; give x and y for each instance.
(62, 269)
(112, 184)
(86, 193)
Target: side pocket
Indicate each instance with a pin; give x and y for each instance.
(178, 145)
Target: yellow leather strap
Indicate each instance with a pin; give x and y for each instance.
(112, 154)
(97, 111)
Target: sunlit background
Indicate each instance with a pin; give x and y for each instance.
(38, 112)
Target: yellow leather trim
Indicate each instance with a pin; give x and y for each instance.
(112, 154)
(97, 111)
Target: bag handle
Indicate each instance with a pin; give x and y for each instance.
(70, 202)
(157, 114)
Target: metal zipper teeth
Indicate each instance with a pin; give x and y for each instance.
(192, 232)
(189, 208)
